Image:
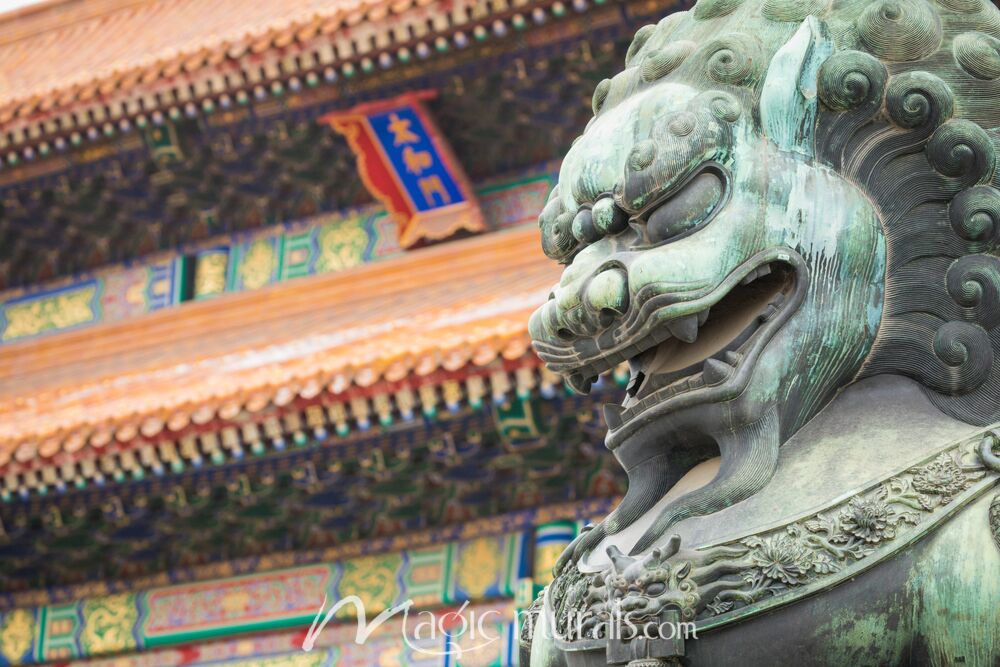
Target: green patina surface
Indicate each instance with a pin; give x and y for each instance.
(829, 169)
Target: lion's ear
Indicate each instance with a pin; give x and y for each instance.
(788, 100)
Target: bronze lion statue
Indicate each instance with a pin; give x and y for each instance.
(785, 218)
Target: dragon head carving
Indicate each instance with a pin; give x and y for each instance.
(774, 199)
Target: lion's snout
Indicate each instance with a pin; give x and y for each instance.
(582, 309)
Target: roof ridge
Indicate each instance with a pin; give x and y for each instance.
(102, 27)
(32, 20)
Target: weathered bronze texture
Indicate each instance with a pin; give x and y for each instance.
(785, 217)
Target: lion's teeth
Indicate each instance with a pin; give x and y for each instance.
(715, 371)
(732, 357)
(613, 416)
(684, 328)
(768, 313)
(759, 272)
(634, 383)
(703, 317)
(641, 362)
(580, 384)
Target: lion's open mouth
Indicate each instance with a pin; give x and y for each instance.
(703, 349)
(705, 355)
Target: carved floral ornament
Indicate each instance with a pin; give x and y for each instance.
(715, 585)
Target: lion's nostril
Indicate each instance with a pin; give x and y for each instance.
(607, 295)
(565, 334)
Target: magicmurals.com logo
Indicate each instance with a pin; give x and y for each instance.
(615, 625)
(475, 630)
(439, 634)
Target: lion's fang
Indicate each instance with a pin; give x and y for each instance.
(684, 328)
(715, 371)
(580, 384)
(634, 383)
(613, 416)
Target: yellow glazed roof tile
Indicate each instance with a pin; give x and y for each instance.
(74, 49)
(441, 308)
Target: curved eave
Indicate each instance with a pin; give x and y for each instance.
(452, 311)
(92, 72)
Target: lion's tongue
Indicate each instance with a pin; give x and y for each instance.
(639, 370)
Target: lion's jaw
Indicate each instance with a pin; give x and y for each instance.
(737, 330)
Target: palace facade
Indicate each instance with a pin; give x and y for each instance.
(265, 275)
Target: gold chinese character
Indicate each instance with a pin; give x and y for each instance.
(401, 132)
(432, 185)
(417, 161)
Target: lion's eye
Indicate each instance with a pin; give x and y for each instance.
(655, 589)
(687, 209)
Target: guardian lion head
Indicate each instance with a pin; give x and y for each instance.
(775, 199)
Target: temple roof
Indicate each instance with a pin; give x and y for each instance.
(165, 164)
(64, 50)
(458, 305)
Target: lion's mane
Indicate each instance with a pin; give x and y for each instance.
(909, 112)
